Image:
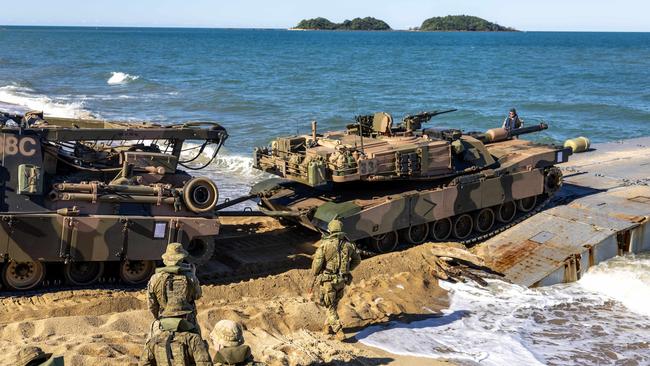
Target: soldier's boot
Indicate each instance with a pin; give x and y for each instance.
(327, 329)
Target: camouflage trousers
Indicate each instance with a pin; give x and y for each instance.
(330, 294)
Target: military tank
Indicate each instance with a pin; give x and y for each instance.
(85, 197)
(405, 183)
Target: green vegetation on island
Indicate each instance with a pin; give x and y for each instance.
(367, 23)
(461, 23)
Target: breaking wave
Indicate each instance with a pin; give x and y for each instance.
(118, 78)
(624, 279)
(17, 96)
(598, 320)
(233, 173)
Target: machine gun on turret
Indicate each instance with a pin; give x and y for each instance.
(381, 123)
(415, 121)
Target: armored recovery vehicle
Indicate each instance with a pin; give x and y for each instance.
(406, 183)
(88, 196)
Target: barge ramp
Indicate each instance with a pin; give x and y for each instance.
(602, 211)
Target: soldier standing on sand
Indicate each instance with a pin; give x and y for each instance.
(34, 356)
(175, 344)
(173, 289)
(333, 261)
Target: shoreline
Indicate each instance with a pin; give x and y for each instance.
(5, 27)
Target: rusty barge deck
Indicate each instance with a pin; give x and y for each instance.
(602, 211)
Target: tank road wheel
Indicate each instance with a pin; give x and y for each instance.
(416, 234)
(200, 194)
(83, 273)
(483, 220)
(23, 275)
(200, 250)
(506, 212)
(463, 225)
(441, 229)
(136, 272)
(384, 243)
(527, 204)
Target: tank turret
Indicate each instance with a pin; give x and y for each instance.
(388, 182)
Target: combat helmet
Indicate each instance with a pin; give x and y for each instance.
(174, 254)
(335, 226)
(30, 354)
(227, 333)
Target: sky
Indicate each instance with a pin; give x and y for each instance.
(529, 15)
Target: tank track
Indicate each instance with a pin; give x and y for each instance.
(240, 256)
(503, 227)
(244, 255)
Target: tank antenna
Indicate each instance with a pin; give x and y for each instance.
(361, 137)
(313, 130)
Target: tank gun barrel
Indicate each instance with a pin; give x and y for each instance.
(501, 134)
(530, 129)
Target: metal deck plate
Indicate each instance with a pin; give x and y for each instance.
(605, 212)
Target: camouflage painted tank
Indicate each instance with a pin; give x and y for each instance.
(86, 197)
(404, 183)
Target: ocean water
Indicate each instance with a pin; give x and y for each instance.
(263, 83)
(603, 319)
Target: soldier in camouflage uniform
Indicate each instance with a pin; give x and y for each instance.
(177, 344)
(173, 289)
(34, 356)
(333, 261)
(228, 339)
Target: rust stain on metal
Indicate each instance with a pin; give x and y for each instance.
(512, 254)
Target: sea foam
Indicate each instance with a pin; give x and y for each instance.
(28, 99)
(118, 78)
(583, 323)
(624, 279)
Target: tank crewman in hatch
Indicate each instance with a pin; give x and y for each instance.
(512, 121)
(175, 344)
(34, 356)
(333, 261)
(228, 339)
(173, 289)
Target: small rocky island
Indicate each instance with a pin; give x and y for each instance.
(461, 23)
(357, 24)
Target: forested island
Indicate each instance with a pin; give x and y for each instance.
(449, 23)
(367, 24)
(461, 23)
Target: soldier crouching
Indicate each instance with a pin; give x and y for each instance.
(175, 344)
(333, 261)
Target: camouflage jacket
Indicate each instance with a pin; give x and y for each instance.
(335, 256)
(53, 361)
(174, 346)
(172, 291)
(240, 356)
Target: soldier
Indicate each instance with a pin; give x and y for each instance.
(176, 344)
(512, 121)
(173, 289)
(228, 339)
(34, 356)
(333, 261)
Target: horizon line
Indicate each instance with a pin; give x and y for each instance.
(309, 30)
